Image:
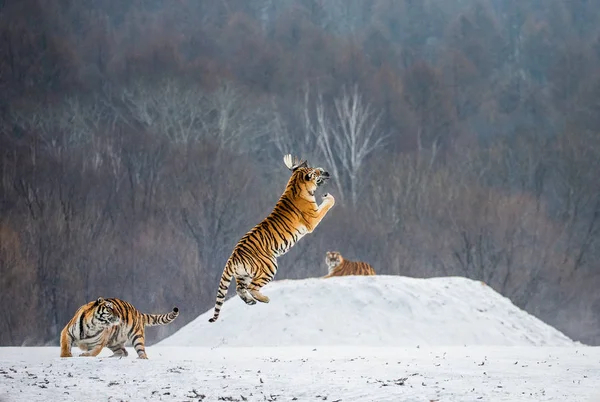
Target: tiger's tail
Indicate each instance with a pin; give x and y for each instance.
(160, 319)
(222, 292)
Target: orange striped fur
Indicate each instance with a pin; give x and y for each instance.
(338, 266)
(253, 262)
(110, 323)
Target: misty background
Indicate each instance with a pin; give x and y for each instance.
(141, 139)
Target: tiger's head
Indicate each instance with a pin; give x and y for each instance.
(104, 314)
(333, 259)
(305, 179)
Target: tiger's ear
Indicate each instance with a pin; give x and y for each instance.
(100, 300)
(293, 163)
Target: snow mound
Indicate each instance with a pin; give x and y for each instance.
(371, 311)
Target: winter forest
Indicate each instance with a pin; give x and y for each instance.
(140, 139)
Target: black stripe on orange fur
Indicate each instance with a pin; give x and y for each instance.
(110, 323)
(253, 262)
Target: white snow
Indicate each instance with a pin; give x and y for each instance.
(444, 374)
(371, 311)
(348, 339)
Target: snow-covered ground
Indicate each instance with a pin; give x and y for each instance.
(342, 339)
(371, 311)
(307, 374)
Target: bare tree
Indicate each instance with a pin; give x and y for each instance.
(205, 212)
(429, 99)
(18, 277)
(238, 122)
(406, 189)
(292, 125)
(167, 107)
(63, 126)
(187, 113)
(577, 188)
(346, 138)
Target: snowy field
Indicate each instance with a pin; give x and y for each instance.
(306, 374)
(343, 339)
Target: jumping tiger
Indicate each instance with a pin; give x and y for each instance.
(110, 323)
(338, 266)
(253, 262)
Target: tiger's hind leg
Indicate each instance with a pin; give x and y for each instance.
(94, 352)
(118, 350)
(259, 296)
(257, 283)
(245, 295)
(241, 288)
(254, 289)
(139, 344)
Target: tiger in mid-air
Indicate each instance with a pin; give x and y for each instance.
(110, 323)
(338, 266)
(253, 261)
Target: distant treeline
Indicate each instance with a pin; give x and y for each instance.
(139, 140)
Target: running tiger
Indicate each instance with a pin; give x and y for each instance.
(253, 262)
(110, 323)
(338, 266)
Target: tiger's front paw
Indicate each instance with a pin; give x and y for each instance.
(328, 198)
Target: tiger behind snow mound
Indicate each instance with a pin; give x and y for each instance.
(338, 266)
(253, 261)
(110, 323)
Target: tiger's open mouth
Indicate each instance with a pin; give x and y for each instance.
(322, 177)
